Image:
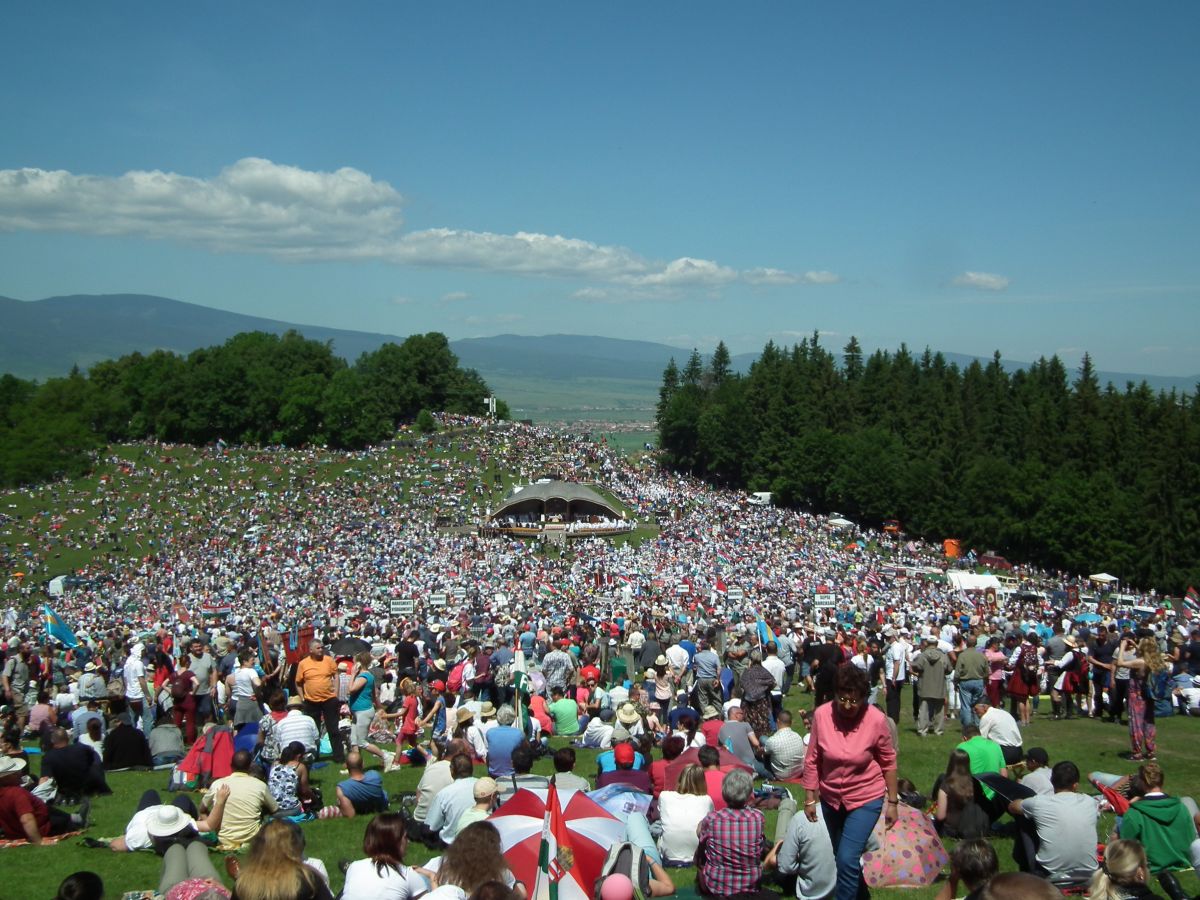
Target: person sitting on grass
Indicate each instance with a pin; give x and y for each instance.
(166, 741)
(564, 771)
(714, 778)
(972, 864)
(76, 769)
(957, 814)
(1061, 846)
(564, 711)
(436, 776)
(1165, 825)
(473, 859)
(626, 773)
(249, 801)
(522, 776)
(730, 842)
(125, 747)
(672, 747)
(1037, 771)
(288, 782)
(1124, 875)
(382, 873)
(452, 801)
(24, 816)
(802, 860)
(986, 756)
(484, 792)
(362, 792)
(275, 867)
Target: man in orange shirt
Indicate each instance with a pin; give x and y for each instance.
(316, 680)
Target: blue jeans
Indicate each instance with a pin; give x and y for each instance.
(849, 831)
(969, 693)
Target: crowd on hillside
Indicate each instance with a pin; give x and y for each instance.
(265, 632)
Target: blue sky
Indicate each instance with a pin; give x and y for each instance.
(970, 177)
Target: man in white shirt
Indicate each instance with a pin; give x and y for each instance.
(1037, 777)
(297, 726)
(137, 691)
(785, 748)
(773, 664)
(453, 800)
(435, 777)
(477, 733)
(680, 662)
(895, 672)
(998, 725)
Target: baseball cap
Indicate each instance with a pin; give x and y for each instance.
(484, 787)
(1037, 755)
(623, 754)
(438, 685)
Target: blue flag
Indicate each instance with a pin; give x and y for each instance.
(57, 628)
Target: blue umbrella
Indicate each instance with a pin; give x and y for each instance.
(1088, 617)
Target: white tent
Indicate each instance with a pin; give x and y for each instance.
(840, 522)
(969, 581)
(1103, 578)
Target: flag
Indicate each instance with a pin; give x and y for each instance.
(765, 634)
(547, 590)
(1192, 598)
(721, 588)
(56, 628)
(521, 691)
(556, 857)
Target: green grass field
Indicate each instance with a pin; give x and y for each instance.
(34, 872)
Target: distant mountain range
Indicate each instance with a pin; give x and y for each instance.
(551, 376)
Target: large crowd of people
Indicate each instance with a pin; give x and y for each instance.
(274, 629)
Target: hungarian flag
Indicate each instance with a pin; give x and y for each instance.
(556, 857)
(1192, 599)
(548, 590)
(721, 588)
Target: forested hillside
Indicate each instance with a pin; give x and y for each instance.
(255, 388)
(1040, 464)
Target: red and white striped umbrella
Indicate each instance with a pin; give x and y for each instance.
(591, 830)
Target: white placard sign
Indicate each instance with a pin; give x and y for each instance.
(437, 600)
(401, 606)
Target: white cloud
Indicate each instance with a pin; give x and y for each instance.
(252, 206)
(592, 294)
(455, 297)
(258, 206)
(684, 272)
(401, 300)
(769, 276)
(781, 276)
(984, 281)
